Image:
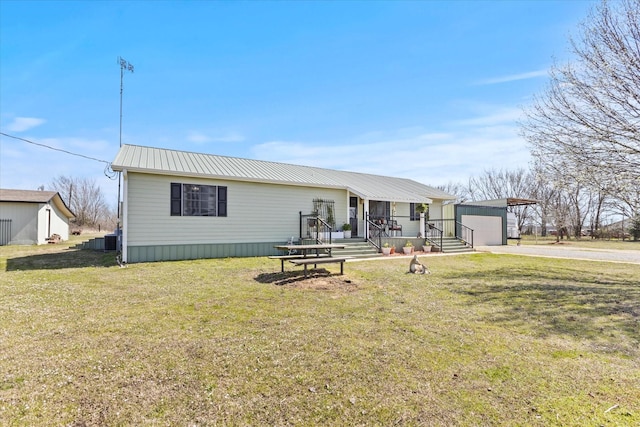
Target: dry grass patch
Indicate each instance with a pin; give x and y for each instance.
(483, 340)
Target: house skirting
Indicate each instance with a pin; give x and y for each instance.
(199, 251)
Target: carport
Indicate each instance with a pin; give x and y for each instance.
(488, 219)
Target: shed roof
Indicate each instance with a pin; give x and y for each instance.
(32, 196)
(508, 201)
(162, 161)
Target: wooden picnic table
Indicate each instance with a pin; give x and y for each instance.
(306, 249)
(309, 254)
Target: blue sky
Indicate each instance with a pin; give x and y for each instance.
(428, 90)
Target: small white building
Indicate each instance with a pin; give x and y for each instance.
(493, 221)
(183, 205)
(31, 217)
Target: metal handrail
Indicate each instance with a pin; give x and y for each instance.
(314, 227)
(326, 229)
(378, 230)
(434, 235)
(449, 227)
(466, 234)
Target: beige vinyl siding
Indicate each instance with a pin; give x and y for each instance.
(412, 228)
(449, 212)
(435, 210)
(256, 212)
(403, 216)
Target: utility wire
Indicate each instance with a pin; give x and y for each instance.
(107, 170)
(53, 148)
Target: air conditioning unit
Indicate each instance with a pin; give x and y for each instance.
(110, 242)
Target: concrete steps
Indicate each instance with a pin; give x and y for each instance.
(355, 248)
(451, 245)
(360, 248)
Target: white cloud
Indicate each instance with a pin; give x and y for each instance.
(469, 147)
(494, 116)
(197, 137)
(202, 138)
(21, 124)
(514, 77)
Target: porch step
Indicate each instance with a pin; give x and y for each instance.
(452, 245)
(96, 244)
(355, 248)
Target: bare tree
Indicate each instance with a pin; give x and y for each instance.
(599, 203)
(578, 201)
(587, 122)
(503, 184)
(561, 215)
(85, 198)
(456, 189)
(545, 193)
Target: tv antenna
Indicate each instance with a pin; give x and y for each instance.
(124, 65)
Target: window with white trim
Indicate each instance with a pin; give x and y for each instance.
(198, 200)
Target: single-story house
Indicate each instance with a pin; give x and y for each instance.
(184, 205)
(31, 217)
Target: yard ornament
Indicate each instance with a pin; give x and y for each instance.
(416, 267)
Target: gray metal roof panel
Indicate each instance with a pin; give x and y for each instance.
(375, 187)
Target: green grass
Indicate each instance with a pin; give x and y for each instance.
(484, 340)
(584, 242)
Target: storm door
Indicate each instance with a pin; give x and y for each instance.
(353, 215)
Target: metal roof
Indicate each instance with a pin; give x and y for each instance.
(509, 201)
(135, 158)
(32, 196)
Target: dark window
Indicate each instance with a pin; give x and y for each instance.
(415, 216)
(176, 199)
(222, 201)
(198, 200)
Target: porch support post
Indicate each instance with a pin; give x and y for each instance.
(422, 227)
(366, 216)
(348, 215)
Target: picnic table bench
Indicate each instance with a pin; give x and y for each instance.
(318, 260)
(284, 258)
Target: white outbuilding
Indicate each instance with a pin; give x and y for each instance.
(30, 217)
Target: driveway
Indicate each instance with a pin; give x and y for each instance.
(552, 251)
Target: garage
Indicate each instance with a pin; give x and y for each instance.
(488, 219)
(487, 230)
(489, 223)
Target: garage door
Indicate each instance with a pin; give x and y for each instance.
(487, 230)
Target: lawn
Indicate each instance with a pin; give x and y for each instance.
(484, 340)
(584, 242)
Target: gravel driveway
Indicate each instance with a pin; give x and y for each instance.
(608, 255)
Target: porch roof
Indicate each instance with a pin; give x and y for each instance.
(135, 158)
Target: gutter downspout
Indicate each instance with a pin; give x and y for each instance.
(125, 216)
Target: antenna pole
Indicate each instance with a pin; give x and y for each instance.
(124, 65)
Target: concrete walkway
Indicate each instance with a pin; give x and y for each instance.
(553, 251)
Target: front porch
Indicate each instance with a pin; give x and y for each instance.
(440, 234)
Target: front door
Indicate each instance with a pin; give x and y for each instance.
(353, 215)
